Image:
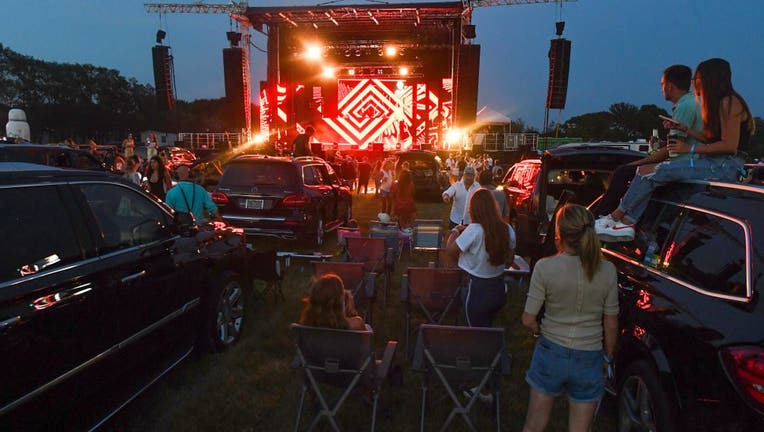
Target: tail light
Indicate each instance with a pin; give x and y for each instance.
(745, 366)
(295, 201)
(219, 198)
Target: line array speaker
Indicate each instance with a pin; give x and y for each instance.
(466, 86)
(164, 84)
(235, 88)
(559, 66)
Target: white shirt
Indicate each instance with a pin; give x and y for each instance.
(387, 181)
(459, 209)
(474, 257)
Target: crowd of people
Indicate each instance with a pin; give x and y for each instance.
(577, 287)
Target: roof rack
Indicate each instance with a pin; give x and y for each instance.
(308, 159)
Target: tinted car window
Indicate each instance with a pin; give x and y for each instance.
(708, 252)
(310, 175)
(36, 232)
(125, 217)
(248, 174)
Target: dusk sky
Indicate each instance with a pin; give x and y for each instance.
(619, 48)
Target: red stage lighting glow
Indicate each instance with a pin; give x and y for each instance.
(312, 52)
(328, 72)
(351, 72)
(391, 50)
(403, 70)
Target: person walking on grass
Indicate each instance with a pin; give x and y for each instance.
(386, 185)
(579, 292)
(459, 195)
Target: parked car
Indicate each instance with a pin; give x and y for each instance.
(103, 289)
(51, 155)
(111, 155)
(690, 354)
(283, 197)
(536, 187)
(427, 172)
(179, 156)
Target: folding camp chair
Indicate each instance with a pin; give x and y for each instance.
(355, 279)
(446, 260)
(462, 358)
(266, 266)
(373, 253)
(428, 234)
(392, 236)
(344, 232)
(339, 358)
(432, 293)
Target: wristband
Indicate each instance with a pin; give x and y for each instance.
(692, 155)
(608, 359)
(454, 231)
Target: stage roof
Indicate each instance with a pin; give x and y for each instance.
(370, 17)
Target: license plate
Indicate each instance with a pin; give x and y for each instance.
(253, 204)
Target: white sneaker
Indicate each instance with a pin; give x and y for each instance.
(609, 230)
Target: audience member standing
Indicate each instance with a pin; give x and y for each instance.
(301, 143)
(376, 174)
(460, 193)
(579, 292)
(403, 199)
(151, 147)
(128, 146)
(489, 182)
(386, 185)
(131, 171)
(159, 181)
(187, 196)
(364, 172)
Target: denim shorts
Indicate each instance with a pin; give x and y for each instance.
(555, 367)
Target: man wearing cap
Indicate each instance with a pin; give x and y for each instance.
(190, 197)
(460, 193)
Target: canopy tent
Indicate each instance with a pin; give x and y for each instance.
(487, 116)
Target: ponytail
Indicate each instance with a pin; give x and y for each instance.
(575, 228)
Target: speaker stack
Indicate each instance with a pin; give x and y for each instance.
(236, 88)
(466, 86)
(163, 77)
(559, 66)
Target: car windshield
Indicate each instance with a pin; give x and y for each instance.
(586, 184)
(262, 174)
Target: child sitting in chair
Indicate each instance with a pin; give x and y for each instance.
(330, 305)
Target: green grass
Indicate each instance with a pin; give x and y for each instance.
(252, 387)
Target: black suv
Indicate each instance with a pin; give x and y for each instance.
(426, 172)
(283, 197)
(536, 187)
(691, 345)
(103, 289)
(51, 154)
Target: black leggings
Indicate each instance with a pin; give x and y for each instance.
(483, 300)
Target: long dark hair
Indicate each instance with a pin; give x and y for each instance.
(405, 183)
(715, 78)
(485, 211)
(324, 305)
(574, 227)
(161, 171)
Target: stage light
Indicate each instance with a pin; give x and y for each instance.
(391, 50)
(358, 53)
(160, 36)
(351, 72)
(454, 136)
(312, 52)
(403, 70)
(260, 138)
(328, 72)
(399, 86)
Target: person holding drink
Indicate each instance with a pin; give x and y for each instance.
(675, 85)
(727, 128)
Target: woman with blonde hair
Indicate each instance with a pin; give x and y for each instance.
(330, 305)
(579, 292)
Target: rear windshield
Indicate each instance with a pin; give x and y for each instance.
(418, 161)
(264, 174)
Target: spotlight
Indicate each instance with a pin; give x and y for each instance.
(358, 53)
(391, 51)
(403, 70)
(313, 52)
(453, 136)
(160, 36)
(347, 53)
(328, 72)
(351, 72)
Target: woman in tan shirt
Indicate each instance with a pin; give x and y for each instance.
(579, 291)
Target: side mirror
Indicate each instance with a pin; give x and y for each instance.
(185, 223)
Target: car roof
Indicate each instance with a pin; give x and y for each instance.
(15, 171)
(593, 148)
(37, 146)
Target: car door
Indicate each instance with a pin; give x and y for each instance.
(54, 324)
(325, 196)
(342, 195)
(149, 290)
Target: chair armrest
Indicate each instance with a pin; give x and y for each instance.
(383, 368)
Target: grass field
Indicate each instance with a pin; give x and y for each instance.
(252, 387)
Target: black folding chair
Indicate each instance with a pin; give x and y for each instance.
(266, 266)
(372, 252)
(462, 358)
(343, 359)
(431, 293)
(355, 279)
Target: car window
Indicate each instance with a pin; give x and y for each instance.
(36, 232)
(125, 217)
(586, 184)
(651, 234)
(261, 174)
(709, 252)
(85, 161)
(311, 175)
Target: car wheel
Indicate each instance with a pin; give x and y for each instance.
(225, 313)
(642, 403)
(319, 239)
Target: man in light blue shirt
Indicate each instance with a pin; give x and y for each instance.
(188, 196)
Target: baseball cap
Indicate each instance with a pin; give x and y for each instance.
(469, 170)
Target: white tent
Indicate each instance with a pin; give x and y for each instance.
(487, 116)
